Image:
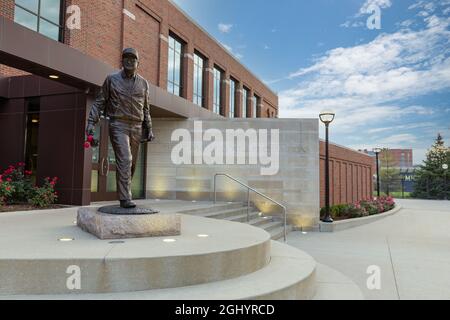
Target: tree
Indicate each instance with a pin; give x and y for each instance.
(432, 180)
(389, 173)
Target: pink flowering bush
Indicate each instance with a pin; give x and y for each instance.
(45, 195)
(16, 187)
(362, 208)
(20, 181)
(6, 190)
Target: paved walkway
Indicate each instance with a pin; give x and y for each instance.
(412, 249)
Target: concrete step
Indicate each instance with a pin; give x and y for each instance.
(272, 225)
(260, 221)
(225, 251)
(290, 275)
(254, 215)
(211, 208)
(223, 214)
(333, 285)
(278, 233)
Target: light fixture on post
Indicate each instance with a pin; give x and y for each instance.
(327, 117)
(377, 153)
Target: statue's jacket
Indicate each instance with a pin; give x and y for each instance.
(124, 99)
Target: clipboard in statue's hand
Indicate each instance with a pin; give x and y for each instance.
(147, 135)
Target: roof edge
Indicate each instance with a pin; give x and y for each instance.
(220, 45)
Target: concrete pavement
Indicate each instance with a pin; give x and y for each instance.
(411, 248)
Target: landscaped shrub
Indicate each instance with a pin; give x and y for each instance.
(361, 209)
(45, 195)
(16, 187)
(6, 190)
(20, 181)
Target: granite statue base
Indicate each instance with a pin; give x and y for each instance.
(127, 226)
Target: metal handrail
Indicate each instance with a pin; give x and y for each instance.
(248, 198)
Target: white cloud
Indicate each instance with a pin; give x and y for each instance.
(402, 127)
(365, 9)
(225, 28)
(394, 66)
(383, 4)
(399, 139)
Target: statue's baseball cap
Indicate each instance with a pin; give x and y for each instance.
(130, 51)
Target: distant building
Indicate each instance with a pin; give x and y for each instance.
(402, 158)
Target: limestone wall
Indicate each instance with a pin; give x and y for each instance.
(295, 185)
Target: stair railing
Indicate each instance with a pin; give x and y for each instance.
(248, 198)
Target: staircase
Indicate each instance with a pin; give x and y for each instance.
(237, 212)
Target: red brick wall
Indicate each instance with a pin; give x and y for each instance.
(105, 31)
(7, 10)
(350, 175)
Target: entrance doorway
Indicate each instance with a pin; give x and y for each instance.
(103, 177)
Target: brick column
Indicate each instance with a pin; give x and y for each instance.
(188, 72)
(163, 56)
(209, 84)
(250, 103)
(260, 109)
(239, 94)
(225, 98)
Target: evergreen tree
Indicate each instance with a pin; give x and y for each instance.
(432, 180)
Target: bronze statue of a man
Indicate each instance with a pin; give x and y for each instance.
(124, 98)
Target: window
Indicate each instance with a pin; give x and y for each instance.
(43, 16)
(232, 98)
(244, 103)
(217, 91)
(198, 79)
(33, 107)
(254, 107)
(174, 77)
(258, 112)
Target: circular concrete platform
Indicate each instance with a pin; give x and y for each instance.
(45, 253)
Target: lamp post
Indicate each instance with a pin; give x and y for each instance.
(327, 117)
(445, 167)
(377, 153)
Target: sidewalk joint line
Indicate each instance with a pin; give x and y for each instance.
(393, 268)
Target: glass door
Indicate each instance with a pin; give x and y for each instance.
(103, 178)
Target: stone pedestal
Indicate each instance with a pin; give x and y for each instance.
(108, 227)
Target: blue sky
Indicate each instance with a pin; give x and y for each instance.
(389, 87)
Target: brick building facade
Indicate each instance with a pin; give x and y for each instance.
(81, 58)
(109, 26)
(351, 174)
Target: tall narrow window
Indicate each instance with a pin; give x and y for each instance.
(43, 16)
(244, 103)
(232, 98)
(174, 76)
(198, 79)
(32, 135)
(217, 101)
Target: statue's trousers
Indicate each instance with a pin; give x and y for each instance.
(125, 139)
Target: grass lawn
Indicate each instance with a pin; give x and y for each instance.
(397, 195)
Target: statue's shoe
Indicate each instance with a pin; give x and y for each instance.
(127, 204)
